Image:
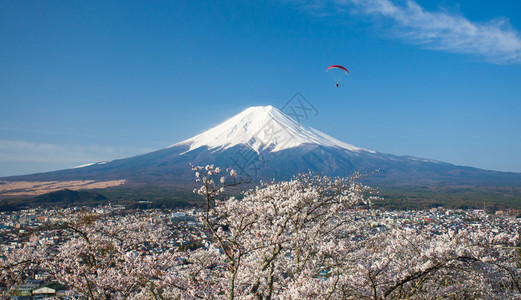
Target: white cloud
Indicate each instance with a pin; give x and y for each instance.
(23, 151)
(495, 41)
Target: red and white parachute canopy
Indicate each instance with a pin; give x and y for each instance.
(337, 67)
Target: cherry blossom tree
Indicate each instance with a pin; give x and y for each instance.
(103, 257)
(280, 233)
(298, 240)
(306, 238)
(18, 264)
(411, 264)
(113, 258)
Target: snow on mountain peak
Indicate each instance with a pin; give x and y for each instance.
(263, 128)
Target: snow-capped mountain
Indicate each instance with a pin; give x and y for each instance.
(263, 128)
(264, 143)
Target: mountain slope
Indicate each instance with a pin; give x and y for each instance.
(264, 143)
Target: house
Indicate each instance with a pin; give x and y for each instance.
(44, 290)
(48, 289)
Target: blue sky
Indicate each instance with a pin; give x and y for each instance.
(85, 81)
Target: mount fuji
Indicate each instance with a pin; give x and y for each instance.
(264, 143)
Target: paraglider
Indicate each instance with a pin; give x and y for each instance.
(338, 72)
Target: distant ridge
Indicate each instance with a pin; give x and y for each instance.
(61, 198)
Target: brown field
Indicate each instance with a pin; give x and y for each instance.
(34, 188)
